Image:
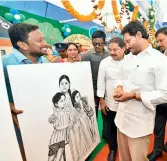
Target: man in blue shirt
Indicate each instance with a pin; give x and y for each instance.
(28, 43)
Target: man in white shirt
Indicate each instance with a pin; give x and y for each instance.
(143, 86)
(161, 110)
(107, 80)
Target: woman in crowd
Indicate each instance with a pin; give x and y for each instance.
(72, 53)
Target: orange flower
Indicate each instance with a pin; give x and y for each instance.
(81, 17)
(135, 13)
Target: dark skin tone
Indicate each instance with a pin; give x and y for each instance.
(98, 44)
(63, 54)
(32, 49)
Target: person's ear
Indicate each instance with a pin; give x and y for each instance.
(139, 35)
(22, 45)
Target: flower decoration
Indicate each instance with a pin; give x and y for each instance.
(66, 30)
(151, 24)
(14, 16)
(80, 17)
(135, 13)
(152, 19)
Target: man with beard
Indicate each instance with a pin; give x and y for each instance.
(142, 86)
(28, 43)
(161, 110)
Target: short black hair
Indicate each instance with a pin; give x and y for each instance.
(19, 32)
(118, 41)
(133, 27)
(99, 34)
(57, 97)
(162, 30)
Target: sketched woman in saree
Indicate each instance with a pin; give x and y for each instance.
(64, 84)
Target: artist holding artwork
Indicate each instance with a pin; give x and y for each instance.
(28, 42)
(73, 123)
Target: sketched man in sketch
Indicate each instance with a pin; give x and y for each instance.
(61, 121)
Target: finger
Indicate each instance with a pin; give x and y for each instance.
(107, 109)
(118, 95)
(115, 94)
(18, 111)
(117, 99)
(15, 111)
(104, 111)
(15, 120)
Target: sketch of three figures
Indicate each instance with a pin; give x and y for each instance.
(73, 122)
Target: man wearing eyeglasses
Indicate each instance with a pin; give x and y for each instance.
(95, 56)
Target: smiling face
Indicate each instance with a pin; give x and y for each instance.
(132, 43)
(35, 43)
(64, 85)
(116, 52)
(72, 51)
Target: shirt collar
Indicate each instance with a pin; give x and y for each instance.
(94, 52)
(21, 58)
(146, 51)
(165, 52)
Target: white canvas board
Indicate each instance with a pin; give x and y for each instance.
(48, 130)
(9, 149)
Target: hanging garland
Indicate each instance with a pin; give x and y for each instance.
(127, 10)
(115, 10)
(135, 13)
(118, 16)
(146, 26)
(80, 17)
(152, 21)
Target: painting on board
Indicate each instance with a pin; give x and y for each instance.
(59, 120)
(9, 149)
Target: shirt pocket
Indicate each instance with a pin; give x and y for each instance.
(142, 76)
(112, 74)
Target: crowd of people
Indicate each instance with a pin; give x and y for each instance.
(131, 90)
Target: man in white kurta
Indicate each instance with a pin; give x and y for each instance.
(143, 86)
(107, 80)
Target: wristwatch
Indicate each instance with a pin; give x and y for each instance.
(134, 96)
